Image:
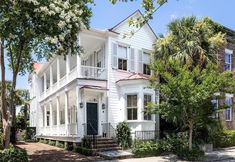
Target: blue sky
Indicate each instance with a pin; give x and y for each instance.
(106, 15)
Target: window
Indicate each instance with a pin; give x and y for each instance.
(122, 57)
(131, 107)
(215, 104)
(146, 69)
(147, 99)
(227, 61)
(228, 111)
(48, 118)
(146, 62)
(54, 118)
(62, 117)
(122, 64)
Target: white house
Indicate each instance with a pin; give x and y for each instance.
(90, 93)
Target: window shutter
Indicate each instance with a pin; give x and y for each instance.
(114, 55)
(140, 61)
(132, 59)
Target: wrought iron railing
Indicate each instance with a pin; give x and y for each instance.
(147, 135)
(91, 138)
(108, 130)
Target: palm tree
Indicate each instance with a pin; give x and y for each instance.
(191, 41)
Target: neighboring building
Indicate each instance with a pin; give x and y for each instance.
(227, 61)
(91, 93)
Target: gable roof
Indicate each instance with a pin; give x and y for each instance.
(124, 20)
(135, 76)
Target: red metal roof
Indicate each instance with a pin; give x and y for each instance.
(36, 67)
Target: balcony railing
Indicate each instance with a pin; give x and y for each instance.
(91, 72)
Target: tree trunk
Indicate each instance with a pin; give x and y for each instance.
(5, 113)
(190, 136)
(13, 108)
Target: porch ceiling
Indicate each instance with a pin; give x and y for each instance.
(90, 43)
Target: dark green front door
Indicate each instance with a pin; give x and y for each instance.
(92, 119)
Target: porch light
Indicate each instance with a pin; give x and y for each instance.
(103, 106)
(81, 105)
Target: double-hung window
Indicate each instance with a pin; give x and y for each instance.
(227, 61)
(147, 99)
(131, 107)
(146, 63)
(122, 57)
(215, 104)
(228, 111)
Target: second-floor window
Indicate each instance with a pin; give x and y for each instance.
(146, 63)
(131, 107)
(228, 111)
(122, 57)
(227, 61)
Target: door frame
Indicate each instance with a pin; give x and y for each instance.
(97, 103)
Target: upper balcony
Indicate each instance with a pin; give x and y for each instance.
(60, 71)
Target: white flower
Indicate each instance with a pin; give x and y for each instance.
(61, 24)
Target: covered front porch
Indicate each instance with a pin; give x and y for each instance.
(74, 112)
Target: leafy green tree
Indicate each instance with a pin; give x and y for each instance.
(42, 27)
(191, 41)
(186, 92)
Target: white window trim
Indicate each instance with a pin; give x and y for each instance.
(127, 55)
(144, 106)
(230, 52)
(127, 108)
(231, 107)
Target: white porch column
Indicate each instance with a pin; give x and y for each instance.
(58, 112)
(58, 68)
(51, 77)
(45, 82)
(66, 112)
(67, 64)
(50, 123)
(45, 119)
(80, 116)
(79, 59)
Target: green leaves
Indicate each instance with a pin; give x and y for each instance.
(191, 41)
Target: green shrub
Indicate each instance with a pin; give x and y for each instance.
(87, 142)
(60, 144)
(83, 150)
(177, 144)
(13, 154)
(191, 155)
(52, 143)
(222, 138)
(1, 141)
(146, 148)
(123, 135)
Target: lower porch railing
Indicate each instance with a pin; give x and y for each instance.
(108, 130)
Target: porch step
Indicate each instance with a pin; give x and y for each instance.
(106, 142)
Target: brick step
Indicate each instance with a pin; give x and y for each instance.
(106, 142)
(106, 145)
(104, 139)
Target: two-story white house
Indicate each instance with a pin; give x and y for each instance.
(91, 93)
